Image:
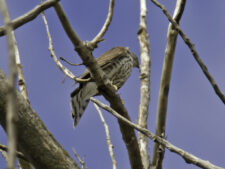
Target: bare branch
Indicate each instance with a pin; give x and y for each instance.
(66, 71)
(79, 159)
(29, 16)
(193, 51)
(105, 27)
(188, 157)
(67, 26)
(144, 83)
(105, 87)
(11, 106)
(33, 137)
(165, 84)
(108, 139)
(72, 64)
(21, 80)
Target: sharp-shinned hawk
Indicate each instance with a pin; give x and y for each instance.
(117, 64)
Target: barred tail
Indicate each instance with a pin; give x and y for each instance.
(80, 100)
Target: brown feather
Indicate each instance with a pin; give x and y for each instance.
(107, 58)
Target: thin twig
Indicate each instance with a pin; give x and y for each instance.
(193, 51)
(29, 16)
(108, 139)
(11, 95)
(72, 64)
(105, 27)
(188, 157)
(144, 83)
(58, 63)
(79, 159)
(158, 153)
(18, 154)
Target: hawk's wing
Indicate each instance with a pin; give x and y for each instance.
(107, 59)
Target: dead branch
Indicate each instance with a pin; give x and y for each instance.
(72, 64)
(144, 83)
(33, 137)
(66, 71)
(108, 139)
(158, 153)
(29, 16)
(193, 51)
(21, 80)
(105, 27)
(79, 159)
(188, 157)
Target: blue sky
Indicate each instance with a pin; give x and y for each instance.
(195, 118)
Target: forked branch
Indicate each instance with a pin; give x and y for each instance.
(104, 86)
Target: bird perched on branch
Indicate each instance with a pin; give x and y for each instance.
(117, 64)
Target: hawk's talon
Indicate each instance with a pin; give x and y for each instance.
(115, 87)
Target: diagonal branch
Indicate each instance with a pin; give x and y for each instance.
(79, 159)
(144, 82)
(158, 154)
(188, 157)
(193, 51)
(29, 16)
(104, 86)
(34, 139)
(105, 27)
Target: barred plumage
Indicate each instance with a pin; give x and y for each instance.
(117, 64)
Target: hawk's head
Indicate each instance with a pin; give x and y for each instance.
(135, 58)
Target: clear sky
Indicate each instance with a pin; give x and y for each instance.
(195, 118)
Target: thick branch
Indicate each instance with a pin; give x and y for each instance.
(34, 140)
(105, 88)
(29, 16)
(193, 51)
(144, 82)
(188, 157)
(165, 84)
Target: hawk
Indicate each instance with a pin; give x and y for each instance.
(117, 64)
